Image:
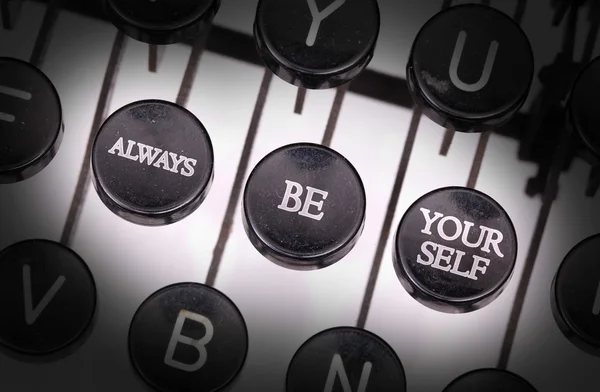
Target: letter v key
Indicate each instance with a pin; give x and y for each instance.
(31, 313)
(318, 17)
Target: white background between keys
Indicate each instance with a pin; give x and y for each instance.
(283, 308)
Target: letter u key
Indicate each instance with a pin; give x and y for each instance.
(487, 69)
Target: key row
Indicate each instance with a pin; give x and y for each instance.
(190, 334)
(49, 303)
(447, 74)
(471, 66)
(31, 141)
(304, 206)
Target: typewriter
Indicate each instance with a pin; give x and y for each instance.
(299, 195)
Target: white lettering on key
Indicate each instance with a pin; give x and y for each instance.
(155, 157)
(443, 233)
(31, 313)
(188, 170)
(337, 369)
(146, 153)
(310, 202)
(444, 262)
(596, 307)
(440, 257)
(177, 160)
(117, 147)
(429, 220)
(492, 237)
(318, 17)
(293, 191)
(493, 241)
(130, 145)
(465, 235)
(477, 267)
(429, 255)
(198, 344)
(487, 69)
(449, 259)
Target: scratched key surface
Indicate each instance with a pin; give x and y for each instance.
(284, 308)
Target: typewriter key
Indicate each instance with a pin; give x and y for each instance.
(161, 22)
(31, 127)
(576, 296)
(304, 206)
(355, 359)
(583, 111)
(48, 300)
(490, 380)
(470, 68)
(455, 250)
(152, 162)
(188, 337)
(315, 44)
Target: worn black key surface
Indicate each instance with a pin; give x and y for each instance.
(304, 206)
(48, 299)
(455, 250)
(575, 296)
(152, 162)
(31, 127)
(316, 44)
(345, 359)
(490, 380)
(188, 337)
(583, 106)
(161, 22)
(470, 68)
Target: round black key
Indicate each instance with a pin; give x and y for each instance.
(48, 300)
(470, 68)
(347, 357)
(455, 250)
(188, 337)
(583, 112)
(152, 163)
(161, 22)
(304, 206)
(316, 44)
(490, 380)
(576, 296)
(31, 127)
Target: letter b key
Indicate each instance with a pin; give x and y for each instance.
(188, 336)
